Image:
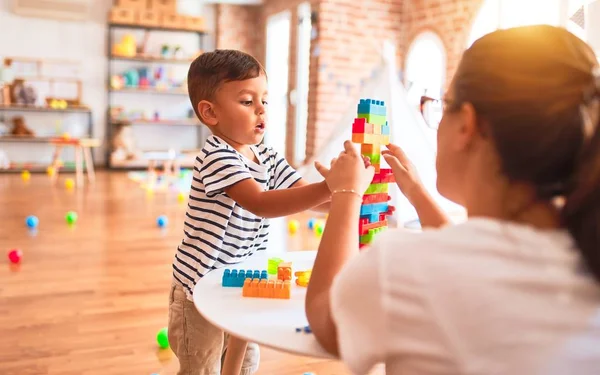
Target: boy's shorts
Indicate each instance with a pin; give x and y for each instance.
(199, 345)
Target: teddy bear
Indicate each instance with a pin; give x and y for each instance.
(20, 129)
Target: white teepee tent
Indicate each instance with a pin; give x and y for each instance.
(408, 130)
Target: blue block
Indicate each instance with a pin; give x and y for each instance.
(375, 208)
(236, 278)
(385, 129)
(372, 106)
(373, 218)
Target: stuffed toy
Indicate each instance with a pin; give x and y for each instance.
(20, 129)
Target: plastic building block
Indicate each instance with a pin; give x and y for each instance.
(361, 126)
(373, 106)
(371, 138)
(368, 209)
(368, 238)
(364, 228)
(370, 149)
(302, 277)
(272, 264)
(384, 175)
(235, 278)
(376, 198)
(373, 119)
(263, 288)
(385, 129)
(375, 158)
(284, 271)
(377, 189)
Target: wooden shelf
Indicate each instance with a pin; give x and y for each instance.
(151, 59)
(153, 91)
(143, 163)
(182, 122)
(153, 28)
(26, 108)
(33, 168)
(26, 139)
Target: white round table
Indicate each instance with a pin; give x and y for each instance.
(268, 322)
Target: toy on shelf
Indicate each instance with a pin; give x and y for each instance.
(264, 288)
(302, 277)
(236, 278)
(371, 130)
(272, 265)
(126, 47)
(284, 271)
(20, 128)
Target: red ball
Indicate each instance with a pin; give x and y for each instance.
(15, 255)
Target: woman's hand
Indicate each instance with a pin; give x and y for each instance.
(407, 179)
(350, 171)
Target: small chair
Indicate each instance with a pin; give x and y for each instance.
(82, 148)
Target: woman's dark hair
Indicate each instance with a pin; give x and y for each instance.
(536, 92)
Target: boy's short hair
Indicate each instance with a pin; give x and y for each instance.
(211, 69)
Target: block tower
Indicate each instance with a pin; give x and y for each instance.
(371, 130)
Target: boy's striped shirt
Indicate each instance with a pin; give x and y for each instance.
(217, 231)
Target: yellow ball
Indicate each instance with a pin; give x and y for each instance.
(293, 226)
(69, 183)
(25, 175)
(66, 136)
(51, 171)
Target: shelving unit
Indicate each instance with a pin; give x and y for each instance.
(7, 139)
(148, 125)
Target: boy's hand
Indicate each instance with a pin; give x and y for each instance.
(348, 171)
(324, 171)
(407, 179)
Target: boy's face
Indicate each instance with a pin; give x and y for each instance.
(240, 111)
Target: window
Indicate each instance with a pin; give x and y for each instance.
(300, 97)
(425, 73)
(498, 14)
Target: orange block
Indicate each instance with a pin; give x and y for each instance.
(284, 271)
(373, 149)
(263, 288)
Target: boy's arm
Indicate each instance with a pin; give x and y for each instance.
(323, 207)
(280, 202)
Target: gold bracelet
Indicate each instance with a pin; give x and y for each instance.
(351, 191)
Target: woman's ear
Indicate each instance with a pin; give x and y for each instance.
(207, 113)
(467, 130)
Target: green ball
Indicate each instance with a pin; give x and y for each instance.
(71, 217)
(319, 227)
(162, 338)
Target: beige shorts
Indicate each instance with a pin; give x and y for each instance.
(200, 346)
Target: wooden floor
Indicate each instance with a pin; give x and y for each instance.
(89, 299)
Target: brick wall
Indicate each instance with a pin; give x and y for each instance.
(234, 28)
(345, 53)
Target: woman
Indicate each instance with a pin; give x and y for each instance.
(514, 289)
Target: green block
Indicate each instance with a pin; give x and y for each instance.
(373, 119)
(368, 238)
(377, 188)
(272, 264)
(375, 158)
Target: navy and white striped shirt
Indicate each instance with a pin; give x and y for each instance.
(217, 231)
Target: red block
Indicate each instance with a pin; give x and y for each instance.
(364, 228)
(376, 198)
(385, 175)
(359, 125)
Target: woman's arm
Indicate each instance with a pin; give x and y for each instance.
(347, 179)
(338, 244)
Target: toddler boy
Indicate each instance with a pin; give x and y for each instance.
(237, 184)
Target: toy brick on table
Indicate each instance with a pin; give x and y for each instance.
(236, 278)
(263, 288)
(284, 271)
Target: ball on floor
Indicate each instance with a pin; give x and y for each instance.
(69, 183)
(15, 256)
(319, 227)
(311, 223)
(162, 221)
(32, 221)
(71, 217)
(162, 338)
(293, 226)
